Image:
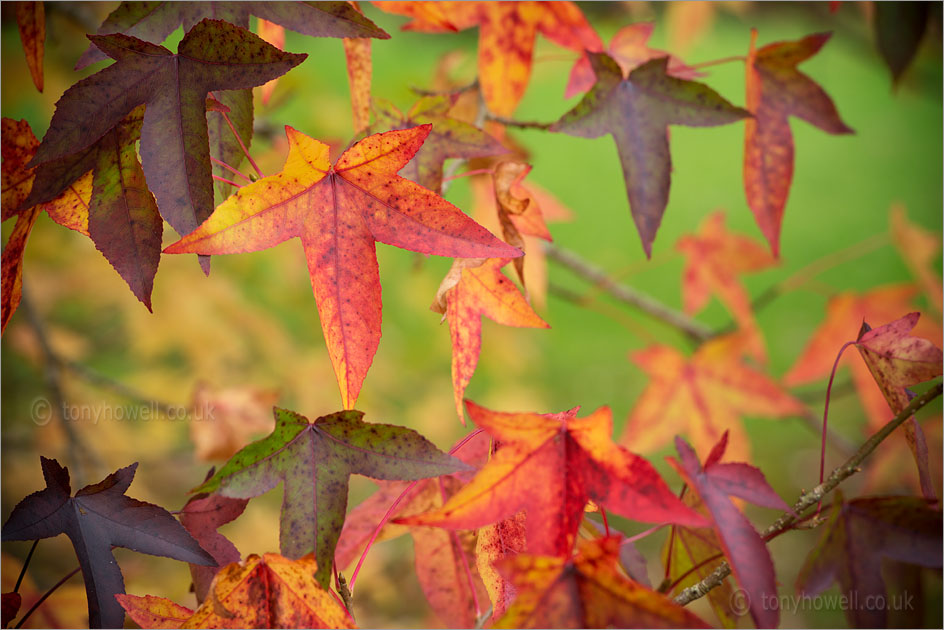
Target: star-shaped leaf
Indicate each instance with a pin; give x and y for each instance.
(857, 537)
(746, 551)
(96, 519)
(575, 460)
(266, 591)
(315, 460)
(636, 111)
(702, 396)
(587, 591)
(896, 361)
(776, 90)
(713, 260)
(154, 21)
(449, 137)
(339, 211)
(473, 289)
(507, 31)
(213, 55)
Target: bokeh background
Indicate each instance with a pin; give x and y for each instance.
(248, 336)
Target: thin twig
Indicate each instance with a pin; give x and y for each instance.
(226, 181)
(44, 597)
(519, 124)
(814, 496)
(456, 90)
(707, 64)
(649, 305)
(105, 382)
(240, 141)
(19, 579)
(53, 376)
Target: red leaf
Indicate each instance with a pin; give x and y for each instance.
(575, 460)
(745, 549)
(776, 90)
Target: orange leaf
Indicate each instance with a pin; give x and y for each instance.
(262, 592)
(506, 38)
(713, 259)
(473, 289)
(919, 249)
(586, 592)
(776, 90)
(702, 397)
(70, 209)
(495, 542)
(359, 69)
(225, 420)
(630, 50)
(275, 35)
(31, 20)
(339, 211)
(575, 460)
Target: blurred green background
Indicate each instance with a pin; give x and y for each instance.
(253, 325)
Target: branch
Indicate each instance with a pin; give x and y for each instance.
(814, 496)
(52, 373)
(519, 124)
(587, 270)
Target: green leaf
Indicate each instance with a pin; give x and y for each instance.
(315, 460)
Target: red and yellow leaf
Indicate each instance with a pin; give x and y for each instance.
(267, 591)
(586, 592)
(339, 211)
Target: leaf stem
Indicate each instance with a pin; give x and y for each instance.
(45, 596)
(477, 171)
(19, 579)
(226, 181)
(240, 141)
(641, 535)
(234, 170)
(829, 387)
(393, 507)
(814, 496)
(606, 523)
(716, 62)
(649, 305)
